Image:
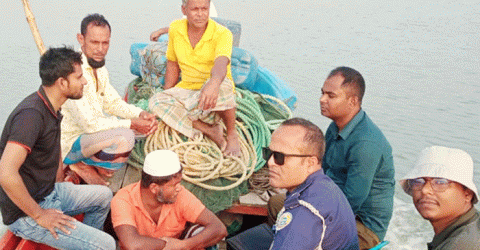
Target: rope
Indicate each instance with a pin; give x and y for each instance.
(202, 160)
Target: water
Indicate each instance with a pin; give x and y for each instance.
(420, 60)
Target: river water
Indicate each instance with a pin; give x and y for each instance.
(420, 60)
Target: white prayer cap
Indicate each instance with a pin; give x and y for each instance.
(442, 162)
(161, 163)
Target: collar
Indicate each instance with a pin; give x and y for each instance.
(292, 197)
(207, 35)
(348, 129)
(135, 195)
(85, 64)
(465, 219)
(46, 101)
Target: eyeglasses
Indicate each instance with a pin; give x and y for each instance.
(438, 184)
(278, 157)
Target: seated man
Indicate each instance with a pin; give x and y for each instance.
(97, 129)
(152, 213)
(316, 214)
(442, 188)
(200, 49)
(34, 203)
(358, 157)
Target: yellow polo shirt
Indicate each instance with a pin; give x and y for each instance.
(196, 63)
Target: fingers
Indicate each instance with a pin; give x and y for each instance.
(152, 130)
(154, 36)
(54, 234)
(201, 102)
(206, 102)
(57, 220)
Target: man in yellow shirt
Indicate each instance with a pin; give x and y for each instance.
(200, 49)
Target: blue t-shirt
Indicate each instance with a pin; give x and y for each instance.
(316, 213)
(359, 160)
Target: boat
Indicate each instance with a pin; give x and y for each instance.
(270, 93)
(258, 84)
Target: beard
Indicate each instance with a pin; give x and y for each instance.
(162, 199)
(75, 96)
(95, 64)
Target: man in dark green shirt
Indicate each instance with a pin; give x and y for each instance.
(358, 157)
(447, 201)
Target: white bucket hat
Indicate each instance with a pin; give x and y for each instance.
(442, 162)
(161, 163)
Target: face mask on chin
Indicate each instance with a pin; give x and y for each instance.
(95, 64)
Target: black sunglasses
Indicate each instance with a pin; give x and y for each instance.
(278, 157)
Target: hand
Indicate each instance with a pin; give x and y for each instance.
(146, 127)
(148, 116)
(156, 34)
(53, 218)
(208, 96)
(173, 244)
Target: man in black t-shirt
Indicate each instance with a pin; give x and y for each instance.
(32, 203)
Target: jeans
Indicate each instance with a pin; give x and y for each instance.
(92, 200)
(256, 238)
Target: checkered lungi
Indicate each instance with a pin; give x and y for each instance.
(178, 107)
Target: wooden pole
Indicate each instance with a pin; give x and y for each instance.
(33, 27)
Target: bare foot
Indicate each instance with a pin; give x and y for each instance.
(214, 132)
(216, 135)
(88, 173)
(233, 146)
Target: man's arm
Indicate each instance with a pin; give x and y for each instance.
(209, 94)
(171, 74)
(214, 231)
(156, 34)
(12, 183)
(60, 171)
(362, 162)
(130, 239)
(303, 232)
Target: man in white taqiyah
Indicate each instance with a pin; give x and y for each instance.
(153, 213)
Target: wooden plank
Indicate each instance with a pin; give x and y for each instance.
(117, 179)
(237, 208)
(132, 175)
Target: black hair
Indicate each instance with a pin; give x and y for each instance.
(353, 80)
(96, 19)
(149, 179)
(58, 62)
(313, 134)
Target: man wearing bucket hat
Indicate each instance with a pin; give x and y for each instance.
(153, 213)
(442, 188)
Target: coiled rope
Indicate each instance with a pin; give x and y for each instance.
(202, 160)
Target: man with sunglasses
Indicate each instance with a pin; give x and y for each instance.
(316, 214)
(442, 188)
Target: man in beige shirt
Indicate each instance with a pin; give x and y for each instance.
(98, 130)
